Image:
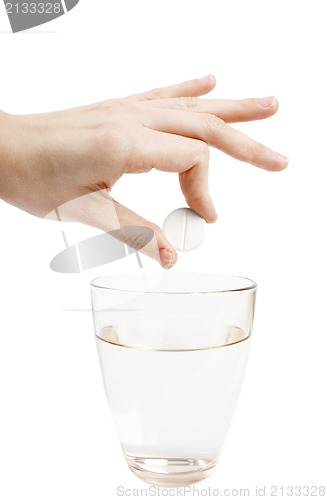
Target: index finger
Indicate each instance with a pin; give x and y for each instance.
(190, 88)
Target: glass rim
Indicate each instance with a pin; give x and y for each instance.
(252, 285)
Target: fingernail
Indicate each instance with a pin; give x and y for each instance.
(167, 258)
(282, 158)
(207, 77)
(266, 102)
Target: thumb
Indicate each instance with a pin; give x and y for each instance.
(98, 209)
(136, 232)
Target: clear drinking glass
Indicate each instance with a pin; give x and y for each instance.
(173, 349)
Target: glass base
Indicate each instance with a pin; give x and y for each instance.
(171, 471)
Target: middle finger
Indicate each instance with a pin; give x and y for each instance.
(230, 111)
(215, 132)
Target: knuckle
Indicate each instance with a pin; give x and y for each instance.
(154, 228)
(214, 125)
(114, 103)
(246, 104)
(152, 94)
(250, 103)
(111, 139)
(202, 153)
(138, 237)
(193, 195)
(187, 102)
(137, 159)
(120, 108)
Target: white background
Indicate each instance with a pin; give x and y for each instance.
(56, 435)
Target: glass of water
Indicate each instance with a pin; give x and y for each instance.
(173, 349)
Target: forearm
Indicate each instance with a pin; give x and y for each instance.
(7, 157)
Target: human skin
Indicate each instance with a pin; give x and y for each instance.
(73, 158)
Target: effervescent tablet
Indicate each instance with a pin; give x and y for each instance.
(185, 229)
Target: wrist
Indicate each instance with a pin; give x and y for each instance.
(17, 159)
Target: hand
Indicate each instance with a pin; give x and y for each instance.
(71, 159)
